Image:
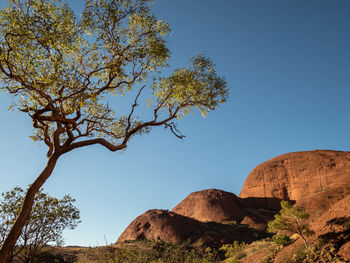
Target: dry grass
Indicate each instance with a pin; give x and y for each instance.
(253, 252)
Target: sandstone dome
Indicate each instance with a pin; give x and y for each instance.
(167, 226)
(162, 225)
(211, 205)
(313, 179)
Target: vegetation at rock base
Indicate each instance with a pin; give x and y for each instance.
(135, 251)
(49, 217)
(144, 251)
(235, 251)
(172, 253)
(281, 239)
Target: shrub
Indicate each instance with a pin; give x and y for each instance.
(281, 239)
(346, 225)
(300, 254)
(160, 252)
(268, 259)
(48, 219)
(234, 251)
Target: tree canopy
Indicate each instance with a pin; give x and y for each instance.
(60, 71)
(291, 219)
(63, 72)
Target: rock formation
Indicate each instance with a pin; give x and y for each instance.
(222, 207)
(211, 205)
(313, 179)
(170, 227)
(161, 225)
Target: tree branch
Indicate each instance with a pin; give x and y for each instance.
(132, 109)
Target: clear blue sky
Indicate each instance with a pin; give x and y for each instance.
(287, 64)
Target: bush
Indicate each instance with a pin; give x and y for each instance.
(300, 254)
(234, 251)
(48, 219)
(346, 225)
(281, 239)
(160, 252)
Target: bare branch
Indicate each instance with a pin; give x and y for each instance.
(133, 108)
(174, 130)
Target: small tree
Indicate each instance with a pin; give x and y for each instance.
(62, 73)
(49, 217)
(291, 219)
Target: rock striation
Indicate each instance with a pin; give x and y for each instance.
(314, 179)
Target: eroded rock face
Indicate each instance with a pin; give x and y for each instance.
(313, 179)
(161, 225)
(170, 227)
(211, 205)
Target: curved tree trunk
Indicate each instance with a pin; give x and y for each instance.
(305, 241)
(26, 209)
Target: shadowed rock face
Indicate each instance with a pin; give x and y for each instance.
(211, 205)
(161, 225)
(170, 227)
(200, 221)
(314, 179)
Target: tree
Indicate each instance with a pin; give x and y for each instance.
(49, 217)
(291, 219)
(63, 73)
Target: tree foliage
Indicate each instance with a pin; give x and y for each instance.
(61, 71)
(291, 219)
(49, 217)
(69, 75)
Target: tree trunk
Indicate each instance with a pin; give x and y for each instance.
(305, 242)
(26, 209)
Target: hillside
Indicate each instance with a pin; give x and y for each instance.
(196, 229)
(317, 180)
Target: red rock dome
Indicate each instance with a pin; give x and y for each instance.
(211, 205)
(160, 225)
(172, 228)
(313, 179)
